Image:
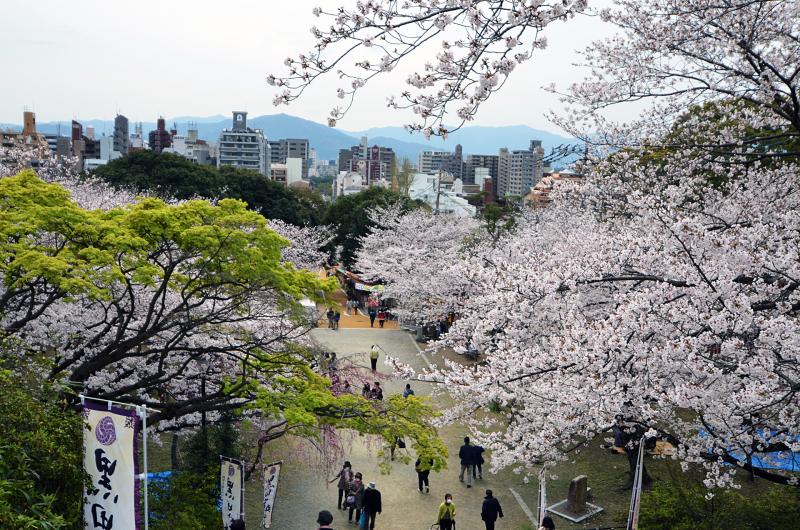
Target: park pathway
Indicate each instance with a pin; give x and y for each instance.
(351, 321)
(302, 491)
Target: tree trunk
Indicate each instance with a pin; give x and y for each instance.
(173, 452)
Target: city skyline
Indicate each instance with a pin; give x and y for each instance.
(92, 61)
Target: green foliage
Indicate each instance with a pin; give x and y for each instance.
(164, 174)
(499, 219)
(185, 501)
(41, 458)
(203, 447)
(273, 200)
(173, 176)
(402, 176)
(31, 207)
(305, 401)
(684, 505)
(349, 215)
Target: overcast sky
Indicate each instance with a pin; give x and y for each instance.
(92, 58)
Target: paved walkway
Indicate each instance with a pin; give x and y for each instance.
(302, 492)
(352, 321)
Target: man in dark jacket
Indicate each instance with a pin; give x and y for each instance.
(467, 456)
(477, 460)
(490, 510)
(371, 504)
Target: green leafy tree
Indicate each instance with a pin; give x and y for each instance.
(348, 214)
(306, 406)
(402, 176)
(41, 461)
(185, 501)
(172, 176)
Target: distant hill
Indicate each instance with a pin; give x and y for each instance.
(327, 141)
(478, 140)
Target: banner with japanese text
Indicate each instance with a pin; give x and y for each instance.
(271, 473)
(110, 459)
(231, 486)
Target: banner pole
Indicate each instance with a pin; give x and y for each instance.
(144, 445)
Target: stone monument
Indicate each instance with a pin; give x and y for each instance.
(575, 507)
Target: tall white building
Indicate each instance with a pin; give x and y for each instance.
(243, 147)
(520, 170)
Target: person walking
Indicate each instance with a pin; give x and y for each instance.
(447, 514)
(381, 317)
(372, 314)
(336, 316)
(547, 523)
(345, 476)
(374, 353)
(355, 499)
(490, 510)
(372, 505)
(237, 524)
(478, 461)
(408, 392)
(324, 520)
(423, 469)
(467, 455)
(329, 314)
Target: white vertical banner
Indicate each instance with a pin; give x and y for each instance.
(110, 460)
(542, 495)
(231, 486)
(636, 493)
(271, 473)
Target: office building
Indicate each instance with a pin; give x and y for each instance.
(122, 141)
(472, 162)
(373, 163)
(282, 150)
(241, 146)
(160, 138)
(520, 170)
(431, 162)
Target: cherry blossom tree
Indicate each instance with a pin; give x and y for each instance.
(417, 255)
(480, 42)
(663, 287)
(190, 309)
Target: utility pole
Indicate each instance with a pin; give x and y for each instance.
(438, 191)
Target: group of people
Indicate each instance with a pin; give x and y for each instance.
(355, 498)
(471, 461)
(333, 318)
(372, 391)
(381, 314)
(490, 512)
(365, 502)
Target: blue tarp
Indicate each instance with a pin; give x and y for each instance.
(785, 460)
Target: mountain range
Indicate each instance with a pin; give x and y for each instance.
(327, 141)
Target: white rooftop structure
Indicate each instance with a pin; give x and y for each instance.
(426, 187)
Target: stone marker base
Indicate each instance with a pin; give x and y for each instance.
(560, 509)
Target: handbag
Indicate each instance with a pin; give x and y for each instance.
(362, 522)
(350, 500)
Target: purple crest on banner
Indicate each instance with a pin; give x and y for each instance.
(105, 432)
(231, 470)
